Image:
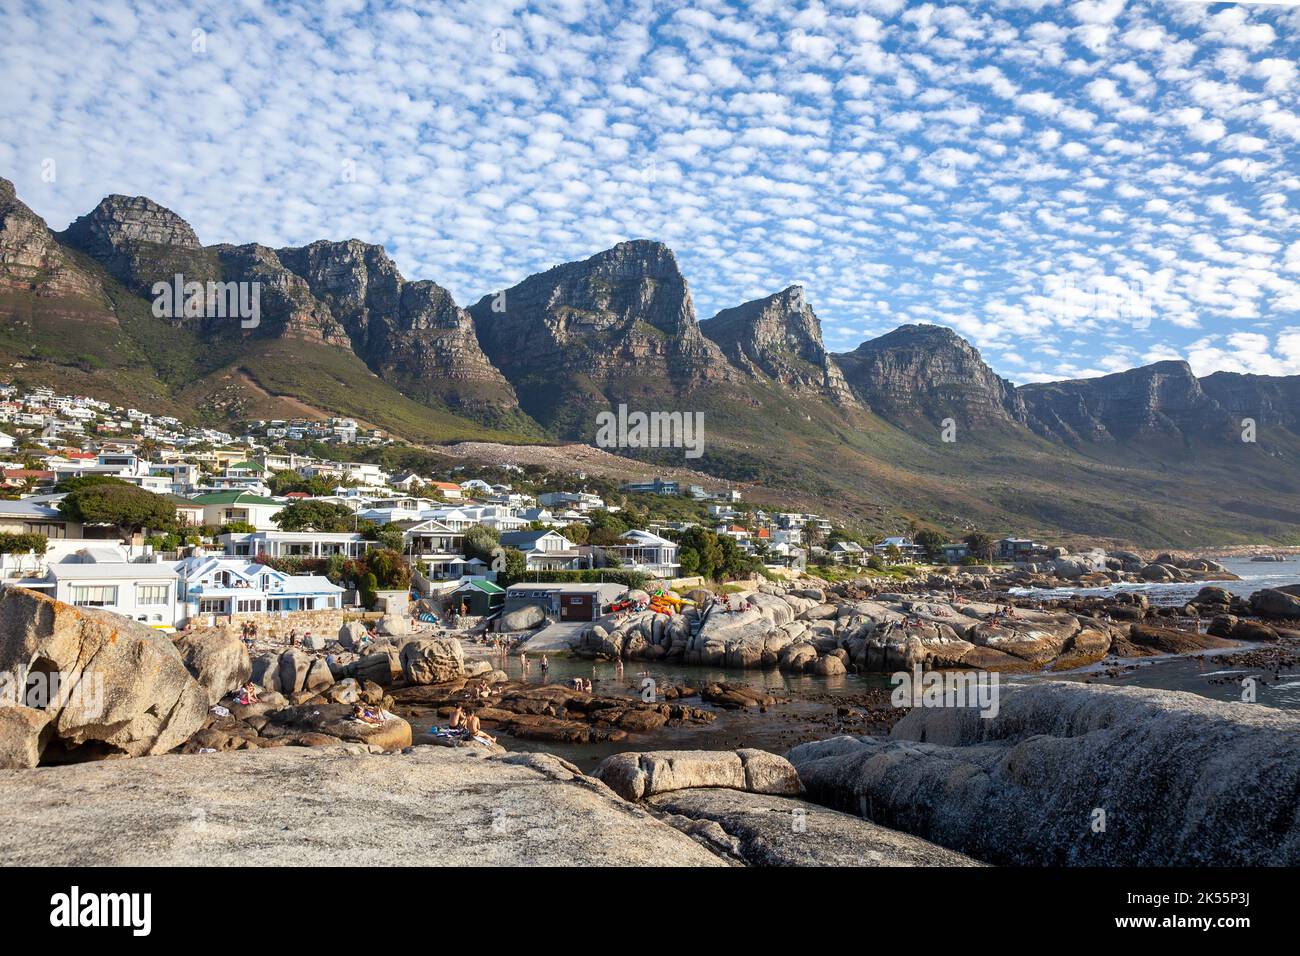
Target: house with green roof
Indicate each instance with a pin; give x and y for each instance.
(479, 595)
(226, 507)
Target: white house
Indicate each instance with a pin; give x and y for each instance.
(101, 579)
(545, 550)
(295, 544)
(647, 552)
(220, 586)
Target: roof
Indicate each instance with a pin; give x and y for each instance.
(122, 571)
(645, 537)
(182, 502)
(233, 498)
(573, 587)
(487, 587)
(516, 538)
(28, 509)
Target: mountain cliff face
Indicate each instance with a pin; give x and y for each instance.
(619, 326)
(342, 294)
(31, 259)
(411, 332)
(1160, 401)
(780, 337)
(1150, 455)
(929, 373)
(1269, 400)
(139, 242)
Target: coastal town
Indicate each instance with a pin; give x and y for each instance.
(244, 504)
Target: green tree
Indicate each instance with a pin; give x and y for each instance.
(481, 542)
(711, 556)
(390, 536)
(69, 485)
(606, 528)
(516, 564)
(325, 516)
(126, 507)
(390, 569)
(932, 541)
(22, 543)
(981, 545)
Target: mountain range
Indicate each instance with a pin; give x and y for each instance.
(910, 427)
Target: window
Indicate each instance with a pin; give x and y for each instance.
(246, 607)
(152, 594)
(212, 606)
(93, 595)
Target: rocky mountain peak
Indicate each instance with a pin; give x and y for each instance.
(581, 333)
(138, 241)
(31, 259)
(1163, 399)
(928, 372)
(412, 332)
(779, 336)
(119, 220)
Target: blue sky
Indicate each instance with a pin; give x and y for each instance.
(1075, 187)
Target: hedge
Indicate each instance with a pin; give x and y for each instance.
(633, 580)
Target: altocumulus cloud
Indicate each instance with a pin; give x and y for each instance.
(1072, 185)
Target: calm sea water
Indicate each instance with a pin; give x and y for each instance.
(809, 713)
(1204, 675)
(1254, 575)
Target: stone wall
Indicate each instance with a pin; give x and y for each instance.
(325, 622)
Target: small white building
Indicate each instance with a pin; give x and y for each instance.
(143, 592)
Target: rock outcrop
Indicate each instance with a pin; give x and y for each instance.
(139, 242)
(766, 830)
(217, 659)
(412, 333)
(780, 337)
(32, 261)
(1078, 774)
(431, 806)
(432, 661)
(928, 373)
(634, 776)
(1161, 401)
(619, 326)
(110, 686)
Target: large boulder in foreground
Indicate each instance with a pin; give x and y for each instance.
(122, 687)
(634, 776)
(433, 661)
(217, 660)
(1079, 774)
(432, 806)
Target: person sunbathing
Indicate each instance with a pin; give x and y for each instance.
(457, 719)
(474, 728)
(366, 715)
